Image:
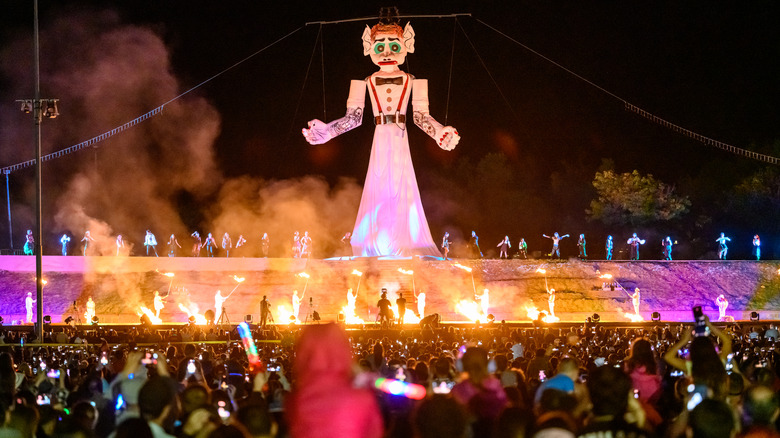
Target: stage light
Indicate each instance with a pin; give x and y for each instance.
(51, 109)
(68, 320)
(340, 317)
(145, 320)
(754, 316)
(490, 317)
(191, 319)
(655, 316)
(26, 106)
(315, 316)
(1, 320)
(95, 320)
(47, 319)
(248, 319)
(596, 317)
(292, 319)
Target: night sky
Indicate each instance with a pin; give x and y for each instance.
(711, 67)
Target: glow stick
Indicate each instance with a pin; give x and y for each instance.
(398, 387)
(255, 365)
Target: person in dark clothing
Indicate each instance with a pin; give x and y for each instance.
(265, 311)
(401, 303)
(385, 312)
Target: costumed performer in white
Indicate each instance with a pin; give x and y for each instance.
(150, 242)
(484, 301)
(551, 301)
(723, 248)
(219, 300)
(28, 307)
(722, 303)
(391, 220)
(159, 304)
(296, 303)
(636, 299)
(420, 304)
(90, 313)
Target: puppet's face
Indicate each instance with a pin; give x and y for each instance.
(387, 51)
(388, 47)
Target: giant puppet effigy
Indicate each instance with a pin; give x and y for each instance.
(391, 220)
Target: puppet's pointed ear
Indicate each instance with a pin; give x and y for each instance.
(367, 41)
(409, 38)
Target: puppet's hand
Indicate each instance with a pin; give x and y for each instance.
(448, 138)
(318, 132)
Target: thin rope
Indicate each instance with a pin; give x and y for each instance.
(303, 87)
(373, 18)
(449, 81)
(501, 92)
(322, 58)
(647, 115)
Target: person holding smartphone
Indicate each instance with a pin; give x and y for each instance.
(704, 364)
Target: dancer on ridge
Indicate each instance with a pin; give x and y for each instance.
(556, 240)
(505, 245)
(723, 248)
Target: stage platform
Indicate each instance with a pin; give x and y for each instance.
(121, 285)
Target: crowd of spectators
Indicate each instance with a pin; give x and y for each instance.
(318, 381)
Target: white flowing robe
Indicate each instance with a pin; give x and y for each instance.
(391, 220)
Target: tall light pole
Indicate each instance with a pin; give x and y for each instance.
(36, 106)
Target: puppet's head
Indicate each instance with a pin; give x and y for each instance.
(387, 43)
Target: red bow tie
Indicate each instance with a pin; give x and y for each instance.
(390, 81)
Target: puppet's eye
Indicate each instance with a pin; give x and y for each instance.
(395, 47)
(379, 48)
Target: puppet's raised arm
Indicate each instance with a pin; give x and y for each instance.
(446, 136)
(320, 132)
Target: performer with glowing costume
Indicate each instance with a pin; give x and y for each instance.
(723, 249)
(306, 245)
(29, 243)
(445, 244)
(666, 244)
(609, 245)
(197, 244)
(120, 245)
(476, 253)
(391, 220)
(722, 304)
(240, 242)
(581, 246)
(172, 244)
(65, 240)
(522, 248)
(265, 243)
(227, 244)
(28, 307)
(87, 239)
(505, 245)
(90, 313)
(551, 301)
(634, 243)
(210, 243)
(757, 247)
(296, 247)
(556, 250)
(150, 242)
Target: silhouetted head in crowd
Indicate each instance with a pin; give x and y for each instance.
(609, 389)
(706, 366)
(133, 428)
(256, 419)
(24, 419)
(760, 407)
(712, 419)
(157, 401)
(440, 417)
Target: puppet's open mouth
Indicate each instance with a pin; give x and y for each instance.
(388, 62)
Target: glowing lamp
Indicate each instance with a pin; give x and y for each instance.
(655, 316)
(398, 387)
(595, 317)
(169, 274)
(754, 316)
(95, 320)
(541, 271)
(356, 272)
(47, 319)
(239, 279)
(303, 275)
